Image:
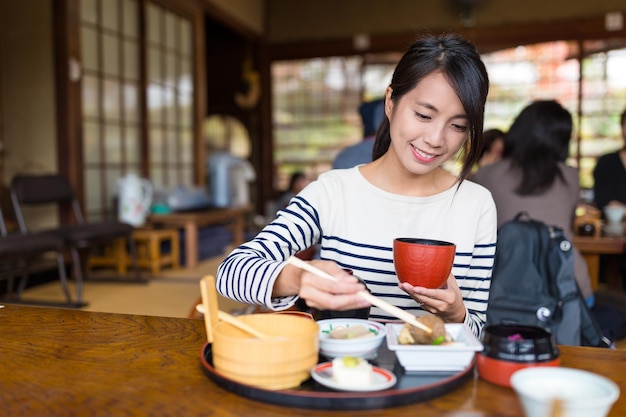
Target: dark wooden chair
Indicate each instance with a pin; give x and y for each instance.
(81, 236)
(18, 251)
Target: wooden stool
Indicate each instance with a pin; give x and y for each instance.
(113, 255)
(148, 244)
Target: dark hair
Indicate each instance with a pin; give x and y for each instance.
(622, 118)
(294, 178)
(372, 113)
(490, 136)
(459, 61)
(536, 142)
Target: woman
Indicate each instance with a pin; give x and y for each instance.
(434, 104)
(609, 183)
(533, 177)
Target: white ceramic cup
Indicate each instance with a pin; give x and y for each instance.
(583, 394)
(614, 214)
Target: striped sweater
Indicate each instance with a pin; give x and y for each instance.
(354, 224)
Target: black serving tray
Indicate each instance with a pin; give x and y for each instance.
(411, 387)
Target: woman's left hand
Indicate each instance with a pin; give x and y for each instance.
(445, 302)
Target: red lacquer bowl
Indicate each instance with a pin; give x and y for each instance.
(499, 372)
(423, 262)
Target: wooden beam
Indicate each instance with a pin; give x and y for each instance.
(487, 39)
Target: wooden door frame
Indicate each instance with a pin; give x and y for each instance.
(67, 77)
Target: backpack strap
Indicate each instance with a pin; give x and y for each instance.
(567, 289)
(591, 332)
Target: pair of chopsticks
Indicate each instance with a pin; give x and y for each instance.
(212, 314)
(382, 304)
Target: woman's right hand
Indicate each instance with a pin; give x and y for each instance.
(324, 294)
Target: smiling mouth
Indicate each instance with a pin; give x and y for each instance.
(423, 156)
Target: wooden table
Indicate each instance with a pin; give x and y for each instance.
(58, 362)
(592, 247)
(191, 221)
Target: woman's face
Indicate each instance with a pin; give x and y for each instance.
(427, 125)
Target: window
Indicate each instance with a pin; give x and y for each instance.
(111, 99)
(114, 140)
(315, 111)
(170, 98)
(603, 100)
(526, 73)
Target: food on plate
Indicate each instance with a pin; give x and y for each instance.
(352, 371)
(411, 335)
(350, 332)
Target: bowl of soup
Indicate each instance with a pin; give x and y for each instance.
(423, 262)
(342, 337)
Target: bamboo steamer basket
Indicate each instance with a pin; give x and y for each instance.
(280, 362)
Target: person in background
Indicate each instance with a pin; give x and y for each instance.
(609, 175)
(372, 113)
(433, 105)
(532, 175)
(494, 146)
(297, 182)
(609, 184)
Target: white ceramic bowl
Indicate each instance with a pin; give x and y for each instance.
(583, 394)
(363, 347)
(449, 357)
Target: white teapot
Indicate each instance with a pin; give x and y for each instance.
(135, 199)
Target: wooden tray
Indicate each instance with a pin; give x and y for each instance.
(411, 387)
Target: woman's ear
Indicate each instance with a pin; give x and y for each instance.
(388, 102)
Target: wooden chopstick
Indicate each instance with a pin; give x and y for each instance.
(557, 408)
(206, 284)
(382, 304)
(224, 316)
(207, 289)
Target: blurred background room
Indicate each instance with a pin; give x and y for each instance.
(216, 103)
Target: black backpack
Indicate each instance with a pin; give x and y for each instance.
(533, 283)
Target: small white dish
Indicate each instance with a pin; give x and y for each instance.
(323, 373)
(362, 347)
(451, 357)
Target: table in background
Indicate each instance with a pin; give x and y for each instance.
(61, 362)
(592, 247)
(191, 221)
